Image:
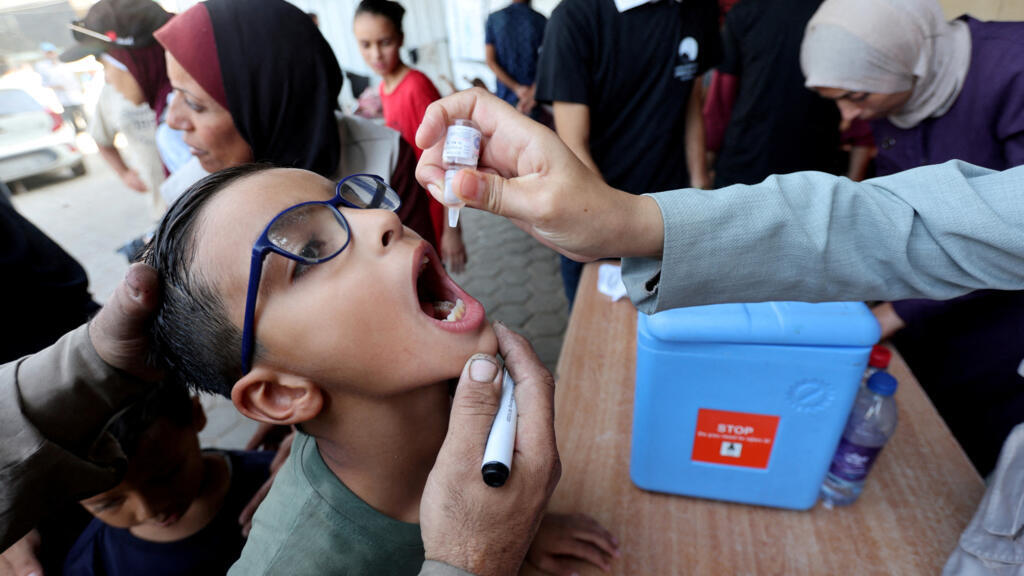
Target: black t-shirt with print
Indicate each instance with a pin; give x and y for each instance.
(635, 71)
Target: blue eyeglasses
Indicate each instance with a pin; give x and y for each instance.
(311, 233)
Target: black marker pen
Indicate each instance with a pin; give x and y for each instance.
(501, 441)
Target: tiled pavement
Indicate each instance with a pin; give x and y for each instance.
(517, 280)
(515, 277)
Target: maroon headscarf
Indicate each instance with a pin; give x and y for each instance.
(189, 38)
(149, 68)
(282, 94)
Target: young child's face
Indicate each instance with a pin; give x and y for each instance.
(161, 480)
(355, 322)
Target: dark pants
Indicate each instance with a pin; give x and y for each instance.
(571, 271)
(966, 359)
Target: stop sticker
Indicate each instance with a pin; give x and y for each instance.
(734, 438)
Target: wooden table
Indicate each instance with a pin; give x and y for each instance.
(919, 497)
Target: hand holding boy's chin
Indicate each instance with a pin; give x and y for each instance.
(464, 522)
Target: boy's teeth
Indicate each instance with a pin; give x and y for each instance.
(457, 312)
(424, 263)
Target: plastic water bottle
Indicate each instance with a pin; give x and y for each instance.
(871, 423)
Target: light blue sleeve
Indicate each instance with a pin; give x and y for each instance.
(932, 232)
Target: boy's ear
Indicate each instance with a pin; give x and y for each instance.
(276, 397)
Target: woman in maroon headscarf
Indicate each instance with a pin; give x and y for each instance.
(242, 97)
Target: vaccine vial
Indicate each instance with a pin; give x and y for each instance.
(461, 150)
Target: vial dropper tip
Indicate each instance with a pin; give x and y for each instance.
(453, 217)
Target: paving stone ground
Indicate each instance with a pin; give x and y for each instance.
(515, 277)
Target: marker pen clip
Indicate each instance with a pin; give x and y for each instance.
(501, 441)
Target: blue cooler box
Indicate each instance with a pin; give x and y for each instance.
(746, 402)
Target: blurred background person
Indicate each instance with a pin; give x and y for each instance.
(624, 79)
(119, 33)
(513, 37)
(140, 168)
(769, 124)
(56, 76)
(936, 90)
(405, 94)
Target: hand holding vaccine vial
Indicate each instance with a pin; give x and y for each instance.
(461, 150)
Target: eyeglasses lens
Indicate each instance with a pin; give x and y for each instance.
(312, 232)
(366, 192)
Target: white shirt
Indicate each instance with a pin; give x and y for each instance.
(624, 5)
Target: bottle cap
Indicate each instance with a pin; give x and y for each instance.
(882, 383)
(880, 357)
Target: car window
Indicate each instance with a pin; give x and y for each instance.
(16, 102)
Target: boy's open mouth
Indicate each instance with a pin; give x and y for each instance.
(439, 297)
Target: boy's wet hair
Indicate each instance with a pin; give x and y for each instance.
(193, 338)
(164, 400)
(393, 11)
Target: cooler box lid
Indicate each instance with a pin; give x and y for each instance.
(784, 323)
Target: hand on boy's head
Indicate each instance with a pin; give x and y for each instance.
(20, 559)
(118, 332)
(464, 522)
(564, 538)
(529, 176)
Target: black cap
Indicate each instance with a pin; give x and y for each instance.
(115, 24)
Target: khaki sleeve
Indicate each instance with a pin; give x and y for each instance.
(54, 406)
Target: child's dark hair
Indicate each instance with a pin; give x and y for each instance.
(193, 338)
(387, 8)
(164, 400)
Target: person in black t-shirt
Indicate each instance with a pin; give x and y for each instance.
(776, 126)
(624, 80)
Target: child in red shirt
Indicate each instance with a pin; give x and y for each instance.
(404, 94)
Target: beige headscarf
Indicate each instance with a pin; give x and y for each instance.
(888, 46)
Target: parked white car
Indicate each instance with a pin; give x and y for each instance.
(33, 138)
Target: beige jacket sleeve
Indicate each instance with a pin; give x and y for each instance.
(54, 406)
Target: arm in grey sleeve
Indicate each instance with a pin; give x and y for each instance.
(54, 406)
(932, 232)
(435, 568)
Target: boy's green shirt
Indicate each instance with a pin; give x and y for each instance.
(311, 523)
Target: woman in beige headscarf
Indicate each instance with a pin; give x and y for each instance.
(935, 91)
(899, 59)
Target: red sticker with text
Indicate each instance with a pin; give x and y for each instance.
(734, 438)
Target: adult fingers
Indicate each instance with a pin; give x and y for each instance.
(476, 401)
(587, 552)
(476, 104)
(596, 535)
(506, 135)
(118, 332)
(556, 566)
(20, 559)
